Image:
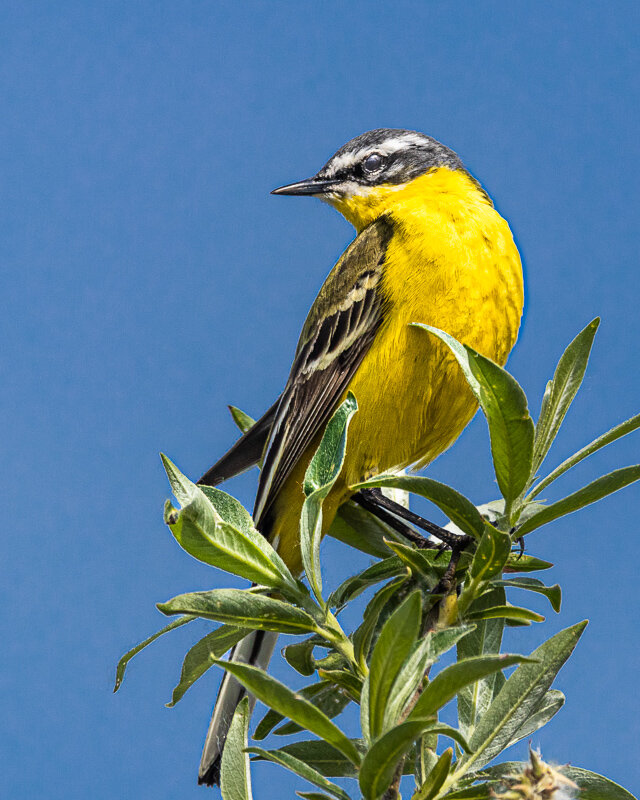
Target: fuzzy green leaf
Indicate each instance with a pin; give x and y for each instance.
(300, 768)
(126, 658)
(352, 587)
(590, 493)
(290, 704)
(446, 685)
(363, 635)
(507, 612)
(358, 528)
(242, 608)
(561, 391)
(319, 478)
(552, 593)
(551, 703)
(520, 696)
(606, 438)
(235, 776)
(504, 404)
(394, 644)
(202, 656)
(436, 777)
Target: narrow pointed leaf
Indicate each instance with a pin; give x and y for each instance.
(491, 555)
(394, 644)
(590, 493)
(242, 420)
(504, 404)
(332, 700)
(380, 762)
(322, 757)
(416, 560)
(405, 684)
(606, 438)
(561, 391)
(520, 696)
(273, 718)
(446, 685)
(484, 639)
(507, 612)
(319, 478)
(352, 587)
(235, 777)
(457, 508)
(551, 704)
(241, 608)
(552, 593)
(202, 656)
(363, 635)
(279, 697)
(126, 658)
(302, 769)
(524, 563)
(436, 777)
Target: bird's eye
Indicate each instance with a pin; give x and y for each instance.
(372, 163)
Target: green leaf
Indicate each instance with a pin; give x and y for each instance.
(332, 700)
(300, 656)
(446, 685)
(507, 612)
(457, 508)
(322, 757)
(590, 493)
(525, 563)
(394, 644)
(302, 769)
(439, 642)
(416, 560)
(235, 776)
(484, 639)
(236, 547)
(504, 404)
(380, 762)
(202, 656)
(290, 704)
(319, 478)
(363, 635)
(592, 786)
(242, 420)
(351, 684)
(520, 696)
(314, 795)
(480, 791)
(551, 704)
(273, 718)
(352, 587)
(561, 391)
(491, 555)
(436, 777)
(405, 684)
(358, 528)
(242, 608)
(126, 658)
(552, 593)
(606, 438)
(326, 463)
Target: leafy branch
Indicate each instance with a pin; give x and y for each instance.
(422, 604)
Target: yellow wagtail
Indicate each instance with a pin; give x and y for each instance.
(430, 248)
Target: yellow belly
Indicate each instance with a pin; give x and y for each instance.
(413, 401)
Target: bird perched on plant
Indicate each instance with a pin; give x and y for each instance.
(430, 248)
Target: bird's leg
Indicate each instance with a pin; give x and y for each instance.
(388, 511)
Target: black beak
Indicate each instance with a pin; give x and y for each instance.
(311, 186)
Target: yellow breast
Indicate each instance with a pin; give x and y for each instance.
(451, 263)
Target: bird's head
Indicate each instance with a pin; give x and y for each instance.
(363, 177)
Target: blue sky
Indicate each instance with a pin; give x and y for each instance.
(149, 279)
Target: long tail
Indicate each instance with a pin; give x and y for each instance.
(257, 649)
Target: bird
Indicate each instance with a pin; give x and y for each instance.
(430, 247)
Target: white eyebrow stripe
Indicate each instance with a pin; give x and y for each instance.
(386, 148)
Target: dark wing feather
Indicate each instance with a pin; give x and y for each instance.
(337, 334)
(246, 452)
